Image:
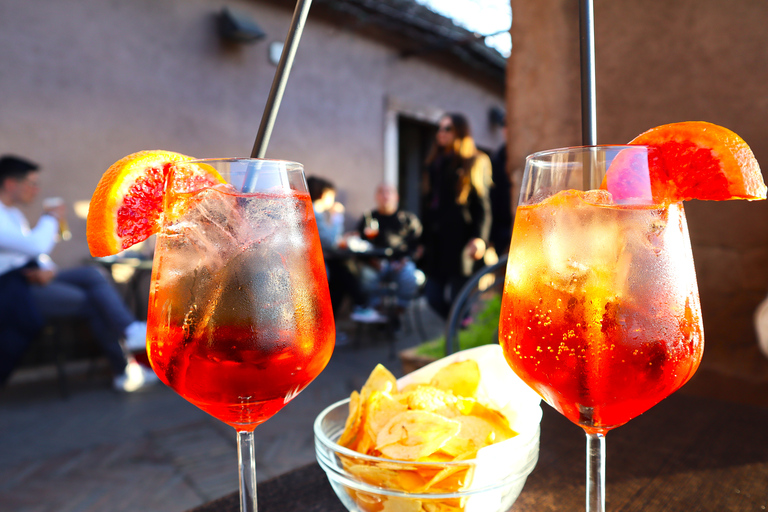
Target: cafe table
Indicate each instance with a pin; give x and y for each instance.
(139, 267)
(688, 453)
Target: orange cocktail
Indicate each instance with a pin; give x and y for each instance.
(601, 313)
(239, 314)
(240, 317)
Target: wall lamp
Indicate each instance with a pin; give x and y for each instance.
(238, 27)
(497, 117)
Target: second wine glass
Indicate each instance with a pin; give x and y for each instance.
(600, 313)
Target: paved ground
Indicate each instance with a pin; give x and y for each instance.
(152, 451)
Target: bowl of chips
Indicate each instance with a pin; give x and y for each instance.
(459, 435)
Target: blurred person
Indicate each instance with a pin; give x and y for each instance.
(329, 213)
(343, 276)
(390, 228)
(500, 196)
(82, 292)
(456, 211)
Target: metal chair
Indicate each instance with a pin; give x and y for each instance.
(414, 309)
(487, 281)
(393, 313)
(60, 342)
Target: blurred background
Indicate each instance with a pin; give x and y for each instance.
(86, 82)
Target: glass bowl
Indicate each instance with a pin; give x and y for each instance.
(489, 483)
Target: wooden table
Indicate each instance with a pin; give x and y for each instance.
(685, 454)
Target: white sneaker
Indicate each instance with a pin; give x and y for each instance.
(367, 316)
(134, 378)
(136, 337)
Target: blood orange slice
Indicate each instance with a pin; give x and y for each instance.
(127, 205)
(693, 160)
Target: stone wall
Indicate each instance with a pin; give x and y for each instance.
(85, 82)
(659, 62)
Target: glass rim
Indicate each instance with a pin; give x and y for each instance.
(576, 149)
(289, 163)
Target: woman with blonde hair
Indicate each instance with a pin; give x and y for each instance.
(456, 211)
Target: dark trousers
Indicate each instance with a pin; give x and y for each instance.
(342, 281)
(20, 321)
(441, 291)
(84, 292)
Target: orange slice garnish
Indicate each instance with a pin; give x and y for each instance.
(691, 160)
(127, 205)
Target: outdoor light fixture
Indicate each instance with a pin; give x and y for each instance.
(497, 117)
(238, 27)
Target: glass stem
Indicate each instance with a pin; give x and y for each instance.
(595, 472)
(246, 461)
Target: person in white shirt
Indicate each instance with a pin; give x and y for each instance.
(76, 292)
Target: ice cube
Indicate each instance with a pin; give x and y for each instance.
(216, 219)
(276, 219)
(598, 197)
(583, 241)
(256, 291)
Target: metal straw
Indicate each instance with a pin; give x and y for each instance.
(588, 93)
(281, 78)
(588, 103)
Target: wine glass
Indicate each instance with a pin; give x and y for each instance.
(600, 313)
(371, 228)
(240, 318)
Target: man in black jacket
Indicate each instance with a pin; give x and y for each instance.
(395, 234)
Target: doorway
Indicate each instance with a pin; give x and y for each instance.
(415, 138)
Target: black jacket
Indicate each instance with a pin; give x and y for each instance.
(448, 225)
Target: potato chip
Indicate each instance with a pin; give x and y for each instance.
(411, 481)
(465, 404)
(381, 408)
(352, 426)
(366, 502)
(431, 399)
(388, 477)
(480, 432)
(440, 506)
(437, 422)
(462, 378)
(454, 477)
(395, 504)
(365, 442)
(458, 445)
(495, 419)
(450, 479)
(412, 435)
(440, 455)
(380, 379)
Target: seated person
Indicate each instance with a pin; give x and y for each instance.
(82, 292)
(341, 269)
(399, 231)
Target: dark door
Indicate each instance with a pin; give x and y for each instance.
(415, 139)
